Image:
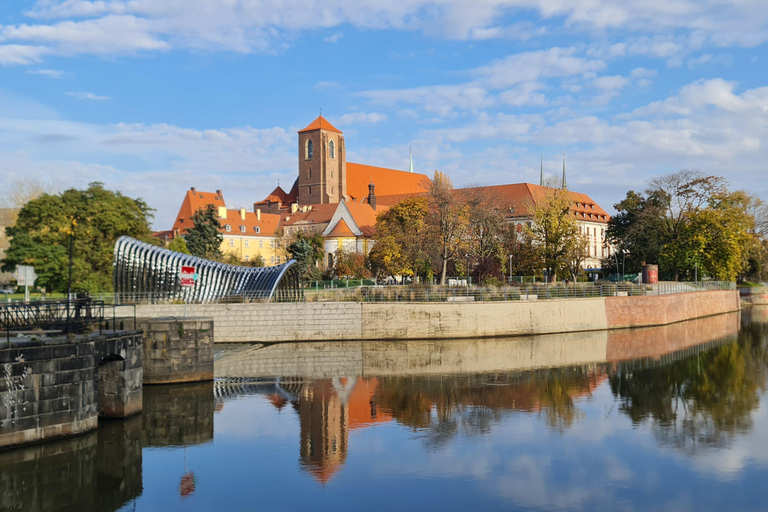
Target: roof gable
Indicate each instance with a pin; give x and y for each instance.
(320, 123)
(193, 201)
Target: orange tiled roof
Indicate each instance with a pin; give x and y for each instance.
(365, 216)
(267, 225)
(319, 214)
(193, 201)
(341, 230)
(520, 195)
(320, 123)
(388, 181)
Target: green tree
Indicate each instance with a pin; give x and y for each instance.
(554, 231)
(204, 237)
(95, 217)
(636, 231)
(400, 247)
(178, 244)
(307, 250)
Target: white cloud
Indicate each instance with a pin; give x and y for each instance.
(333, 38)
(50, 73)
(87, 96)
(361, 118)
(109, 27)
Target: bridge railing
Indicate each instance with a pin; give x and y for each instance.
(59, 316)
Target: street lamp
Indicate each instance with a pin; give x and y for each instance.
(510, 269)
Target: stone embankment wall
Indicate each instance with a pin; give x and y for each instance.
(323, 360)
(59, 387)
(413, 320)
(755, 296)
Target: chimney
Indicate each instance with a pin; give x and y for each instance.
(222, 212)
(294, 207)
(372, 195)
(258, 213)
(192, 189)
(242, 213)
(221, 196)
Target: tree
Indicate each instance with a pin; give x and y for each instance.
(486, 232)
(553, 231)
(204, 237)
(178, 244)
(350, 264)
(636, 230)
(576, 253)
(95, 217)
(307, 250)
(447, 221)
(400, 248)
(521, 253)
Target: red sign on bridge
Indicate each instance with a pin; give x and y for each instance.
(187, 276)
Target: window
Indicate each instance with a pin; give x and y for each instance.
(242, 229)
(277, 259)
(271, 259)
(310, 150)
(261, 244)
(310, 190)
(272, 244)
(310, 172)
(257, 229)
(247, 243)
(227, 228)
(231, 242)
(331, 189)
(247, 258)
(332, 149)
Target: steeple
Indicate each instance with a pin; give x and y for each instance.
(565, 184)
(410, 153)
(541, 174)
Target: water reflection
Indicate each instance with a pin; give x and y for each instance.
(100, 471)
(669, 417)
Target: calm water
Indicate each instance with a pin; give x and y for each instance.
(669, 418)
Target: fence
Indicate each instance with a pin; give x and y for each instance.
(533, 291)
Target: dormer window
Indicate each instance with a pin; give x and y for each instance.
(227, 228)
(310, 150)
(242, 229)
(257, 229)
(331, 149)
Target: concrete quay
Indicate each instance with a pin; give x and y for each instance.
(324, 321)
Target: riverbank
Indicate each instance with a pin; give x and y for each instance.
(331, 321)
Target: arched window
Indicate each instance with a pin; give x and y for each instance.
(242, 229)
(227, 228)
(331, 149)
(310, 149)
(257, 229)
(310, 190)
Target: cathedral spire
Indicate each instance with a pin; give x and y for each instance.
(565, 184)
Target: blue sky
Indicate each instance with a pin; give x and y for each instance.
(155, 96)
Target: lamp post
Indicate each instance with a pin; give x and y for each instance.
(510, 269)
(466, 261)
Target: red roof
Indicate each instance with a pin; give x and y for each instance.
(341, 230)
(520, 195)
(318, 214)
(365, 216)
(193, 201)
(320, 123)
(266, 226)
(387, 181)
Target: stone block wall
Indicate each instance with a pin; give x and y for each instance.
(326, 321)
(177, 349)
(49, 389)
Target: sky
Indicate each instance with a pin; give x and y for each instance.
(152, 97)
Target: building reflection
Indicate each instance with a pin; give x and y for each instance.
(178, 414)
(101, 471)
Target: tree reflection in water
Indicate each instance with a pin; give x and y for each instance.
(702, 400)
(446, 406)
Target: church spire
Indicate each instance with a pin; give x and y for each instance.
(410, 153)
(565, 184)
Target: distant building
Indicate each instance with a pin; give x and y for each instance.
(341, 199)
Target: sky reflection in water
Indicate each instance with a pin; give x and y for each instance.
(626, 426)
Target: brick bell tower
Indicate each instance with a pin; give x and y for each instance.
(322, 164)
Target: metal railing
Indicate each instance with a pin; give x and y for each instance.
(398, 293)
(60, 317)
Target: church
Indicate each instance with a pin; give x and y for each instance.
(341, 199)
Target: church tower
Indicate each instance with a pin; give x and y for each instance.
(322, 164)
